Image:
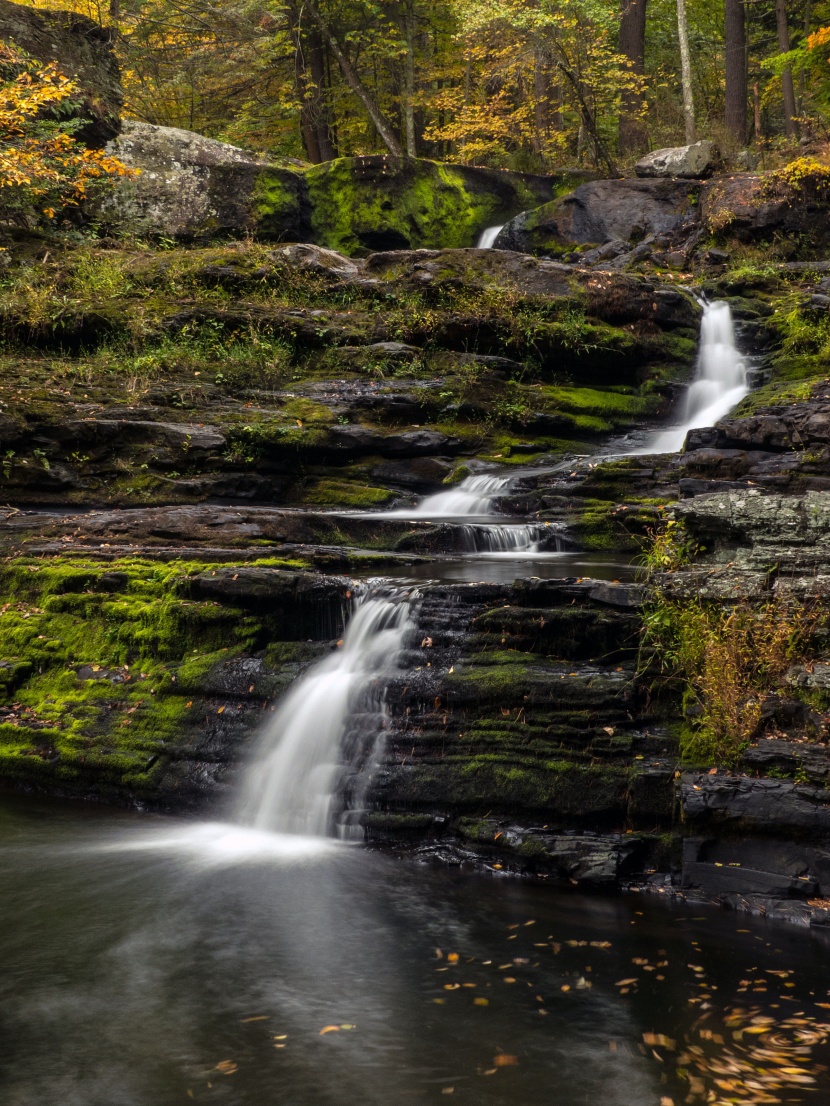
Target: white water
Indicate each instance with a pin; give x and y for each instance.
(488, 237)
(473, 496)
(307, 750)
(719, 383)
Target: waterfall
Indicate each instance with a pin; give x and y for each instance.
(473, 496)
(488, 237)
(309, 749)
(719, 383)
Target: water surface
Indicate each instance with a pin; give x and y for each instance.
(152, 962)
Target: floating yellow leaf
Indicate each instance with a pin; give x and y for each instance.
(329, 1029)
(505, 1060)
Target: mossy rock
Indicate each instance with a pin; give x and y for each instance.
(364, 204)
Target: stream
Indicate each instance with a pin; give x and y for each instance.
(152, 961)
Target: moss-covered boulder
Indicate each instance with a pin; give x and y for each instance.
(192, 187)
(382, 203)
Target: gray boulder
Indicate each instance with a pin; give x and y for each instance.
(688, 162)
(83, 50)
(602, 211)
(191, 187)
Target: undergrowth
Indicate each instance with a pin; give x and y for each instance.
(723, 660)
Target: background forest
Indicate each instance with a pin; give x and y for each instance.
(524, 84)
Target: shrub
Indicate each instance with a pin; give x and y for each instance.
(43, 167)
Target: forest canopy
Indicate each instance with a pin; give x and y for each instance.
(524, 84)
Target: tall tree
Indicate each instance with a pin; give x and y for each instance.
(686, 72)
(783, 29)
(633, 136)
(352, 79)
(735, 58)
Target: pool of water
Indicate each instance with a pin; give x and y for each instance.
(504, 568)
(152, 962)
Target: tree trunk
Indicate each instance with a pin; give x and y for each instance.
(409, 81)
(317, 99)
(382, 125)
(686, 72)
(538, 103)
(633, 138)
(790, 125)
(735, 55)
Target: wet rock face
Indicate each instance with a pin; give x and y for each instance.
(692, 162)
(83, 50)
(627, 211)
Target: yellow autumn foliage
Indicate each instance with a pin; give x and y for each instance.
(43, 167)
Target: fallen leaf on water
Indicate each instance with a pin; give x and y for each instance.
(481, 1002)
(256, 1018)
(451, 986)
(448, 1090)
(329, 1029)
(624, 982)
(227, 1067)
(452, 958)
(505, 1060)
(509, 979)
(221, 709)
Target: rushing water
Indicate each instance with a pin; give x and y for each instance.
(719, 383)
(153, 962)
(322, 739)
(488, 237)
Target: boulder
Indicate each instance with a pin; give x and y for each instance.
(83, 50)
(192, 187)
(603, 211)
(363, 204)
(689, 162)
(757, 206)
(195, 187)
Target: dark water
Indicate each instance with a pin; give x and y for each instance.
(504, 568)
(154, 962)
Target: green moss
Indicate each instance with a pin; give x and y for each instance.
(277, 203)
(424, 203)
(554, 789)
(102, 657)
(343, 493)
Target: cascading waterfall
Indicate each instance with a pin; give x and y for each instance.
(487, 238)
(473, 496)
(719, 383)
(308, 750)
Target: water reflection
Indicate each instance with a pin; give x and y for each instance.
(145, 965)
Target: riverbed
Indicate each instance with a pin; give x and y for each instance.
(151, 961)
